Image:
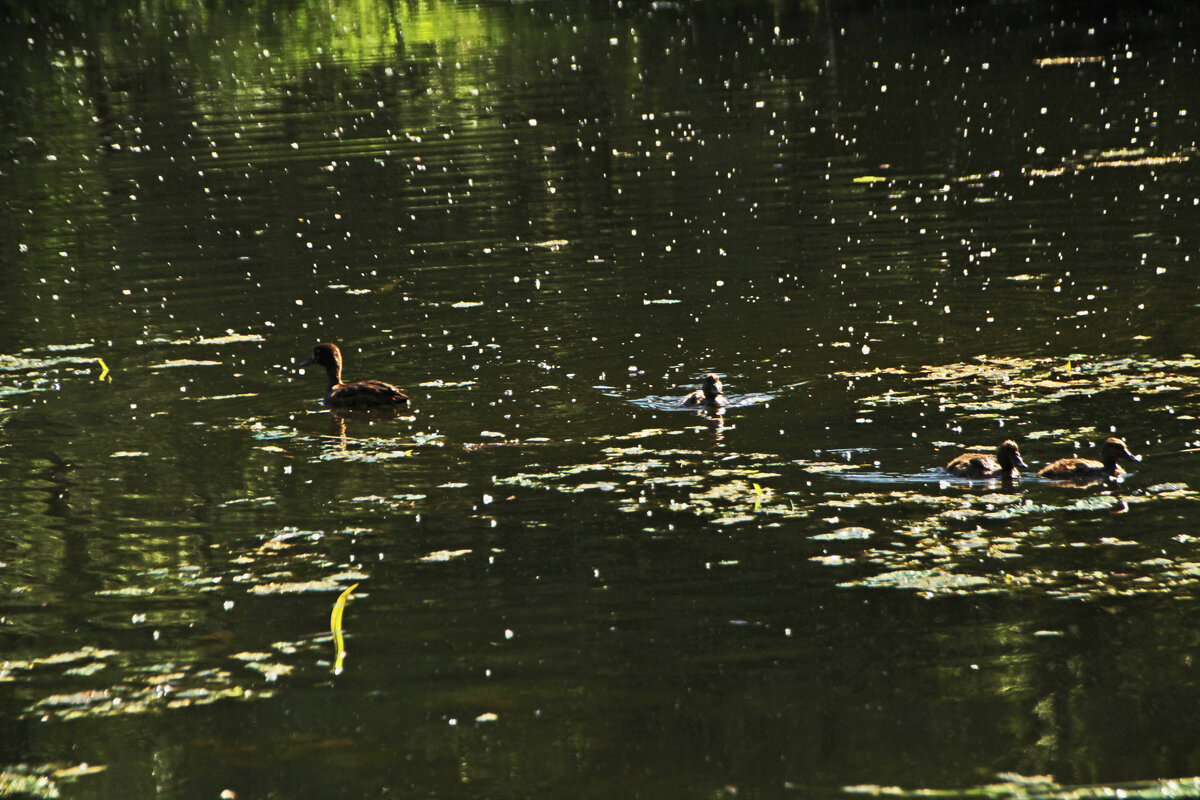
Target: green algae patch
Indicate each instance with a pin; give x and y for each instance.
(996, 386)
(1057, 543)
(932, 581)
(42, 781)
(736, 489)
(849, 533)
(1041, 787)
(184, 362)
(33, 372)
(442, 556)
(229, 337)
(144, 690)
(295, 587)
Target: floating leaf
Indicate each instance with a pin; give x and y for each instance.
(335, 625)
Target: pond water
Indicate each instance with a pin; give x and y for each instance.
(895, 230)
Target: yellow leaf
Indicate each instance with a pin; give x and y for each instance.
(335, 625)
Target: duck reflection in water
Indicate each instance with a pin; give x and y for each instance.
(360, 394)
(1003, 464)
(1112, 449)
(711, 395)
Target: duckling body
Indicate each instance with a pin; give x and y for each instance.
(710, 396)
(360, 394)
(1002, 464)
(1111, 450)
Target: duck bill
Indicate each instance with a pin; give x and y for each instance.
(1130, 456)
(304, 364)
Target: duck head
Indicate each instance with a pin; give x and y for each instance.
(1009, 455)
(1112, 449)
(328, 356)
(712, 386)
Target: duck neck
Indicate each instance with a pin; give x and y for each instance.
(334, 371)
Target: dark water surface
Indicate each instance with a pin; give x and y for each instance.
(894, 229)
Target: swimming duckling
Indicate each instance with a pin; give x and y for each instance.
(710, 396)
(985, 465)
(1111, 449)
(350, 395)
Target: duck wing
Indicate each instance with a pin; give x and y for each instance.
(1072, 468)
(365, 393)
(973, 464)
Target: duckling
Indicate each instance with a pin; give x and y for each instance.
(710, 396)
(357, 394)
(1111, 449)
(985, 465)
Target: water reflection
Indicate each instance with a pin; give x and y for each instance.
(672, 403)
(896, 232)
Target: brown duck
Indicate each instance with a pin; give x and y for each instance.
(352, 395)
(1111, 449)
(986, 465)
(711, 395)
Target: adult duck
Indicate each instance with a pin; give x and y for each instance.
(1002, 464)
(1112, 449)
(711, 395)
(359, 394)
